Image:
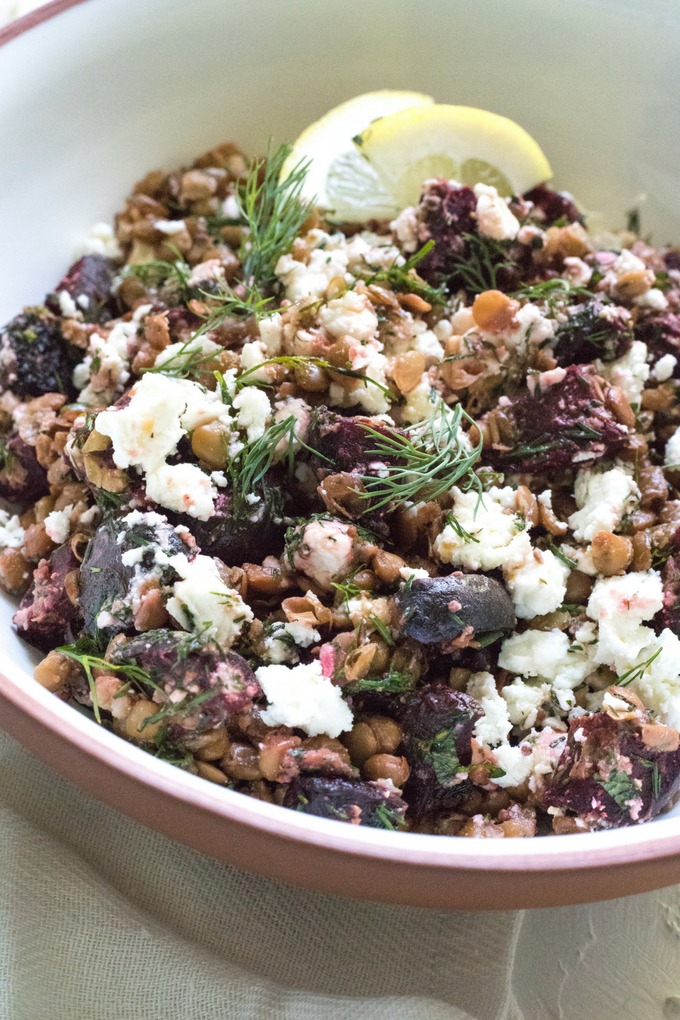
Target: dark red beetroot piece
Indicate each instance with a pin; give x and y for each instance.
(22, 479)
(555, 425)
(346, 800)
(550, 206)
(239, 535)
(105, 580)
(661, 333)
(46, 616)
(436, 609)
(587, 334)
(669, 616)
(34, 357)
(344, 443)
(446, 213)
(218, 684)
(88, 284)
(438, 723)
(608, 775)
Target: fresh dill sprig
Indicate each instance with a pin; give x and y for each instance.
(347, 589)
(452, 521)
(177, 708)
(110, 502)
(404, 278)
(484, 257)
(158, 272)
(186, 362)
(636, 672)
(394, 682)
(423, 462)
(294, 361)
(273, 212)
(567, 560)
(84, 652)
(382, 629)
(385, 817)
(250, 466)
(227, 302)
(552, 292)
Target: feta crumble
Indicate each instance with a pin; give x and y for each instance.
(303, 698)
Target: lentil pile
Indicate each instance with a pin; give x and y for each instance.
(378, 523)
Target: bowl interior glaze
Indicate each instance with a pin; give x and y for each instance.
(128, 85)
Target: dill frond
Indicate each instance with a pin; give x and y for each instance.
(424, 462)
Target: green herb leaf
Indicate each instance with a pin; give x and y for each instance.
(620, 788)
(636, 672)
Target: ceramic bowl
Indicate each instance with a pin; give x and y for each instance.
(93, 93)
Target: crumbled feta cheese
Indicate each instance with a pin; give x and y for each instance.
(412, 573)
(577, 271)
(671, 457)
(494, 218)
(310, 279)
(524, 700)
(494, 726)
(405, 228)
(325, 551)
(653, 298)
(302, 697)
(58, 524)
(202, 602)
(11, 533)
(101, 240)
(497, 535)
(254, 411)
(516, 765)
(105, 369)
(659, 684)
(629, 373)
(67, 306)
(184, 488)
(664, 367)
(371, 397)
(619, 605)
(350, 315)
(147, 430)
(271, 334)
(602, 498)
(284, 640)
(537, 584)
(170, 227)
(181, 353)
(550, 656)
(421, 402)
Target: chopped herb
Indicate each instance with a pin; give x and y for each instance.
(620, 788)
(483, 260)
(393, 682)
(553, 292)
(404, 279)
(82, 652)
(177, 708)
(294, 361)
(567, 560)
(452, 521)
(490, 638)
(636, 672)
(382, 629)
(385, 817)
(422, 463)
(441, 754)
(185, 363)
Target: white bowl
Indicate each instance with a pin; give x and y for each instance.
(95, 93)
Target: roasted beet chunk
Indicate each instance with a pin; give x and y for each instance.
(120, 568)
(567, 419)
(438, 724)
(552, 206)
(344, 443)
(88, 284)
(34, 357)
(592, 331)
(46, 615)
(661, 333)
(615, 772)
(437, 609)
(22, 479)
(447, 213)
(346, 800)
(249, 531)
(205, 684)
(670, 576)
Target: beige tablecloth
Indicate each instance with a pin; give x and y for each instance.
(101, 919)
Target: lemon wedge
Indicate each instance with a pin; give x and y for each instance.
(328, 144)
(457, 142)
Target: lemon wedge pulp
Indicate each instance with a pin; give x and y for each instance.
(458, 142)
(328, 144)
